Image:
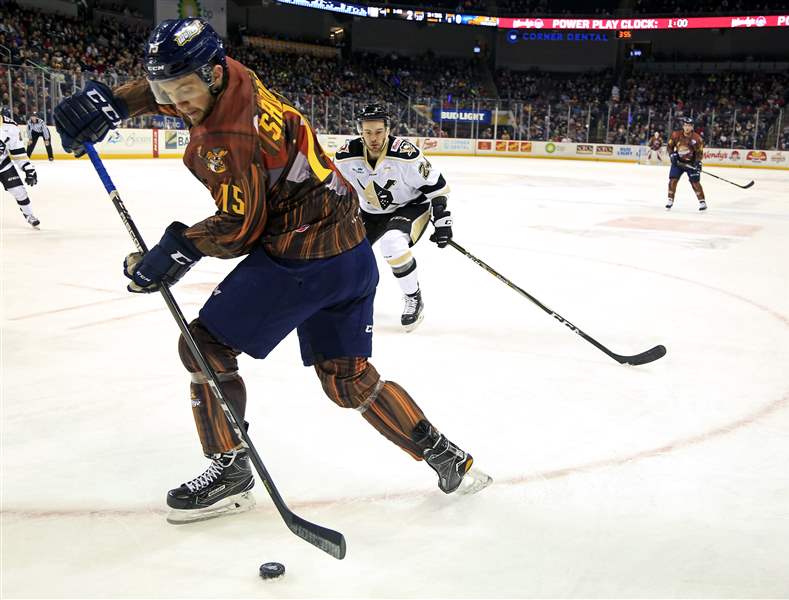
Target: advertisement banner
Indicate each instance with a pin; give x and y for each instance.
(630, 152)
(171, 143)
(757, 156)
(451, 146)
(777, 158)
(462, 115)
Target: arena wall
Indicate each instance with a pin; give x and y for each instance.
(171, 143)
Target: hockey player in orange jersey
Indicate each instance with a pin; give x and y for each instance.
(284, 206)
(686, 150)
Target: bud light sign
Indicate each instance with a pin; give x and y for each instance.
(462, 115)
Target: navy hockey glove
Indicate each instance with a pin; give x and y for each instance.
(88, 116)
(674, 156)
(166, 262)
(442, 221)
(695, 168)
(31, 178)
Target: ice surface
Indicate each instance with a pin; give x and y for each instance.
(669, 479)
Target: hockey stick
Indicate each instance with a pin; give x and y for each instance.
(637, 359)
(331, 542)
(744, 187)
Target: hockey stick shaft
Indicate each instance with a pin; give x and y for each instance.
(331, 542)
(638, 359)
(744, 187)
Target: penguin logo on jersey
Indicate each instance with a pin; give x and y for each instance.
(377, 196)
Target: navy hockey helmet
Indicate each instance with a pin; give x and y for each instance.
(179, 47)
(687, 121)
(5, 115)
(372, 112)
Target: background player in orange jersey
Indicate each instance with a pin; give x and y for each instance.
(686, 149)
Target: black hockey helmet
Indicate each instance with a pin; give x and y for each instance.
(372, 112)
(5, 115)
(180, 47)
(687, 121)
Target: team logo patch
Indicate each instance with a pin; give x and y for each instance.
(215, 160)
(188, 32)
(408, 148)
(424, 168)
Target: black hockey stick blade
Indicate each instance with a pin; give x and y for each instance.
(330, 541)
(742, 187)
(649, 356)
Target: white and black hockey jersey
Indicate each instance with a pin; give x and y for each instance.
(39, 127)
(401, 175)
(11, 147)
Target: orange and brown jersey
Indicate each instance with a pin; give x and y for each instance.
(270, 179)
(690, 148)
(656, 143)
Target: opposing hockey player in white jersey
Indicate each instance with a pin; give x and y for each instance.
(399, 191)
(12, 153)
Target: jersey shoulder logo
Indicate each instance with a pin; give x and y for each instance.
(353, 147)
(424, 168)
(214, 159)
(402, 148)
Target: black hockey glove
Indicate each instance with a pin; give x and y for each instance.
(442, 221)
(166, 262)
(88, 116)
(695, 168)
(31, 178)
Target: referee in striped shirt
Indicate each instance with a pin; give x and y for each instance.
(37, 128)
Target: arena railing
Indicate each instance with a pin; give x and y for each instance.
(34, 88)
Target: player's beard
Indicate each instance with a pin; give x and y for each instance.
(199, 114)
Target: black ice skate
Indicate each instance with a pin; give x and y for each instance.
(31, 219)
(452, 464)
(224, 488)
(670, 203)
(413, 311)
(702, 205)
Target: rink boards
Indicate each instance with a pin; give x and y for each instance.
(171, 143)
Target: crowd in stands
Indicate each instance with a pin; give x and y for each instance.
(732, 110)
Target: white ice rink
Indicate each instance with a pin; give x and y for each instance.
(665, 480)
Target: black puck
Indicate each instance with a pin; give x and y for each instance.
(270, 570)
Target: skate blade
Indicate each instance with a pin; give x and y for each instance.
(415, 324)
(474, 481)
(230, 505)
